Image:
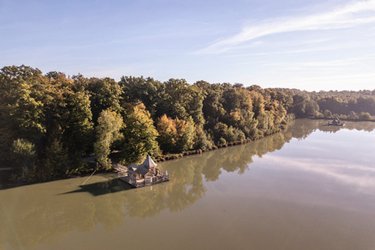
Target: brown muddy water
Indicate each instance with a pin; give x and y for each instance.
(310, 187)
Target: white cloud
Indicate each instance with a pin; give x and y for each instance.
(347, 16)
(327, 64)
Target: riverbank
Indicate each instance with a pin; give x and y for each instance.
(95, 170)
(169, 157)
(342, 119)
(162, 158)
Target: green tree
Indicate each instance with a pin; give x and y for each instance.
(202, 140)
(21, 108)
(139, 134)
(55, 162)
(24, 155)
(107, 131)
(145, 90)
(77, 134)
(187, 101)
(224, 134)
(365, 116)
(104, 94)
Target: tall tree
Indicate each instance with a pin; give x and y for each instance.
(21, 108)
(78, 126)
(187, 101)
(104, 94)
(107, 132)
(140, 89)
(167, 133)
(139, 134)
(175, 135)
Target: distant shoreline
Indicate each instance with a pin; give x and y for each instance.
(344, 119)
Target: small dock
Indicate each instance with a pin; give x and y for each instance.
(336, 122)
(146, 174)
(146, 181)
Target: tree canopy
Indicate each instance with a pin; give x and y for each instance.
(50, 124)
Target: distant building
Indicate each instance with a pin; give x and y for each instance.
(144, 174)
(336, 122)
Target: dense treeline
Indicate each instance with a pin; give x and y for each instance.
(52, 125)
(347, 105)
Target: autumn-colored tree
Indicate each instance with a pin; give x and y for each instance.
(175, 135)
(167, 133)
(185, 134)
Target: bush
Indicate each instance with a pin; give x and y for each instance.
(365, 116)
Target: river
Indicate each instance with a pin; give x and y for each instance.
(309, 187)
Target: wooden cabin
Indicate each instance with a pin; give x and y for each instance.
(144, 174)
(336, 122)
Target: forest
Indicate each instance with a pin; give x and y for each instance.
(53, 125)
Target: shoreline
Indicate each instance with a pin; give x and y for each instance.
(162, 158)
(342, 119)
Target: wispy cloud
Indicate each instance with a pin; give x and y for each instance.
(291, 51)
(346, 16)
(327, 64)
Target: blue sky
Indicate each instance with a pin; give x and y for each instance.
(308, 44)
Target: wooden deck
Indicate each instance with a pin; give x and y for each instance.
(147, 181)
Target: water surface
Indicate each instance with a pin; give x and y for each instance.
(310, 187)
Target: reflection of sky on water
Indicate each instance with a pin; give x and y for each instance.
(357, 175)
(346, 157)
(307, 167)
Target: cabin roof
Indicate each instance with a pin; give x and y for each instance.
(149, 162)
(144, 167)
(133, 167)
(142, 170)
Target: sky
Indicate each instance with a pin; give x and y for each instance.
(311, 44)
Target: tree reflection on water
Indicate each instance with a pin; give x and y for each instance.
(34, 214)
